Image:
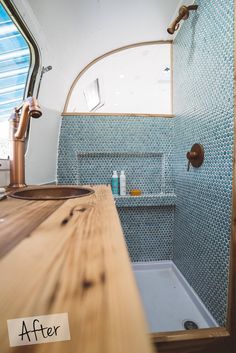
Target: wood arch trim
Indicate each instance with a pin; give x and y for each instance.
(120, 114)
(82, 72)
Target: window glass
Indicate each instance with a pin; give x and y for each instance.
(134, 80)
(14, 67)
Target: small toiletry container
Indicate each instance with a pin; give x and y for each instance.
(122, 183)
(115, 183)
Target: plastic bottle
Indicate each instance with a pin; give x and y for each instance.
(115, 183)
(122, 183)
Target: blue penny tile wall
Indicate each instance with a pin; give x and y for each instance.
(83, 138)
(203, 104)
(142, 170)
(148, 232)
(91, 147)
(146, 200)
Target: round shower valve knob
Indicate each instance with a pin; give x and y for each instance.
(192, 155)
(195, 156)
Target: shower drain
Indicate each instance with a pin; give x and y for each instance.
(190, 325)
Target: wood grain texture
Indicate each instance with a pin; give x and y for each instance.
(210, 340)
(19, 218)
(190, 335)
(213, 345)
(76, 261)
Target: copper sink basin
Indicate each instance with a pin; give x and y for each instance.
(56, 192)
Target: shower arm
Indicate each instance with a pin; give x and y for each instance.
(183, 15)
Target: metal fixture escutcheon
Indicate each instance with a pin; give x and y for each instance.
(195, 156)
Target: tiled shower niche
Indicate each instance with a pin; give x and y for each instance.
(145, 171)
(91, 148)
(148, 216)
(116, 143)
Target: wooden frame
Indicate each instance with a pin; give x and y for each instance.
(120, 114)
(82, 72)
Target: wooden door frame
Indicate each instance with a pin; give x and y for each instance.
(219, 339)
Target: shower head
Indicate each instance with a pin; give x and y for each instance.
(183, 15)
(43, 71)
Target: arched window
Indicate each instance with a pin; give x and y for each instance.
(19, 61)
(135, 79)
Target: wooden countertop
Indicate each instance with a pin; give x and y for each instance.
(70, 257)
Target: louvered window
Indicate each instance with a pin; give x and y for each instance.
(14, 68)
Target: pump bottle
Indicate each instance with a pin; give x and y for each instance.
(122, 183)
(115, 183)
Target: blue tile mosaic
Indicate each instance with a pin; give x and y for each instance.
(143, 170)
(148, 232)
(203, 104)
(145, 200)
(91, 147)
(84, 135)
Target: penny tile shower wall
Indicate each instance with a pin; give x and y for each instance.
(203, 104)
(195, 233)
(91, 147)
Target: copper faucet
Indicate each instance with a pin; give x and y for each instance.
(183, 15)
(18, 127)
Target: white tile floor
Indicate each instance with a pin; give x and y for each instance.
(168, 299)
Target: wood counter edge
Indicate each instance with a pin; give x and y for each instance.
(76, 261)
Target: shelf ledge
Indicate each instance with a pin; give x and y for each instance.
(145, 200)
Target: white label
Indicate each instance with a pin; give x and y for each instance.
(122, 186)
(38, 329)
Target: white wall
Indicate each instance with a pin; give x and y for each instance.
(4, 172)
(41, 153)
(130, 81)
(70, 34)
